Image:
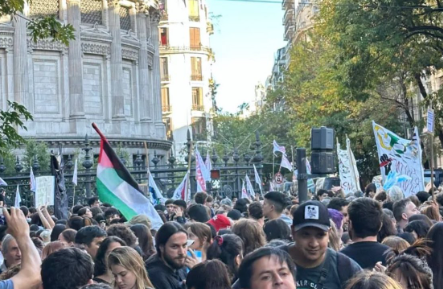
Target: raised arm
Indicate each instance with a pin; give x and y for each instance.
(18, 227)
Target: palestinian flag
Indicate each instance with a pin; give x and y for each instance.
(116, 186)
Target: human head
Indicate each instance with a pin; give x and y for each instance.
(56, 231)
(209, 274)
(365, 218)
(85, 212)
(91, 237)
(141, 219)
(395, 194)
(234, 215)
(255, 211)
(423, 196)
(169, 206)
(310, 230)
(128, 269)
(123, 232)
(322, 194)
(25, 211)
(93, 202)
(144, 238)
(111, 214)
(396, 243)
(227, 248)
(372, 280)
(241, 205)
(171, 244)
(76, 223)
(209, 201)
(51, 248)
(420, 217)
(370, 190)
(200, 198)
(265, 268)
(277, 229)
(340, 205)
(180, 204)
(68, 237)
(66, 269)
(418, 228)
(381, 197)
(387, 227)
(76, 208)
(201, 235)
(403, 210)
(432, 212)
(410, 272)
(251, 233)
(219, 222)
(198, 213)
(273, 204)
(108, 244)
(11, 252)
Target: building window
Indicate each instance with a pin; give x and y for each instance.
(164, 69)
(166, 106)
(195, 38)
(196, 69)
(194, 10)
(163, 36)
(198, 128)
(197, 98)
(44, 8)
(125, 18)
(163, 10)
(91, 12)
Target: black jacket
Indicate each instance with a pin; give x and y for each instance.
(162, 276)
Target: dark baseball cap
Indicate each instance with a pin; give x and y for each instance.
(311, 214)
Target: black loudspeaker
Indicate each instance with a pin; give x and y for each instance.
(323, 162)
(322, 155)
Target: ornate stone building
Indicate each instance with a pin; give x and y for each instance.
(110, 74)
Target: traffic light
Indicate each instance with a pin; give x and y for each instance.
(322, 151)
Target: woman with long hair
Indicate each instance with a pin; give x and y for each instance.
(227, 248)
(251, 233)
(68, 237)
(101, 272)
(201, 234)
(435, 260)
(128, 269)
(145, 242)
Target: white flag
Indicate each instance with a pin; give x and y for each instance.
(278, 148)
(400, 156)
(74, 175)
(249, 187)
(257, 178)
(32, 182)
(181, 192)
(2, 182)
(155, 193)
(349, 177)
(17, 198)
(200, 172)
(285, 163)
(244, 193)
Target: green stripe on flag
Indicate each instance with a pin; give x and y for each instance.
(110, 177)
(107, 196)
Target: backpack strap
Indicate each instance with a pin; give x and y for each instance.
(344, 268)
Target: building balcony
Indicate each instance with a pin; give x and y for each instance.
(165, 77)
(194, 18)
(166, 108)
(287, 4)
(196, 77)
(198, 107)
(289, 16)
(209, 28)
(180, 49)
(289, 31)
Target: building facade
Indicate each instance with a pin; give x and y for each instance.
(185, 61)
(110, 74)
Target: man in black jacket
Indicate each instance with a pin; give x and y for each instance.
(167, 268)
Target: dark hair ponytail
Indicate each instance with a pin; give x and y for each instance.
(226, 248)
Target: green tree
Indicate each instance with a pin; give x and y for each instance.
(37, 149)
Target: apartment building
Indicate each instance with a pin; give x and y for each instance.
(185, 63)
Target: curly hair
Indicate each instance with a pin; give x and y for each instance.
(123, 232)
(415, 271)
(251, 233)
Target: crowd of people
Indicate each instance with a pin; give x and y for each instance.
(365, 240)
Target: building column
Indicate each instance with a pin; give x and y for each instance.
(117, 98)
(156, 79)
(143, 68)
(21, 79)
(76, 99)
